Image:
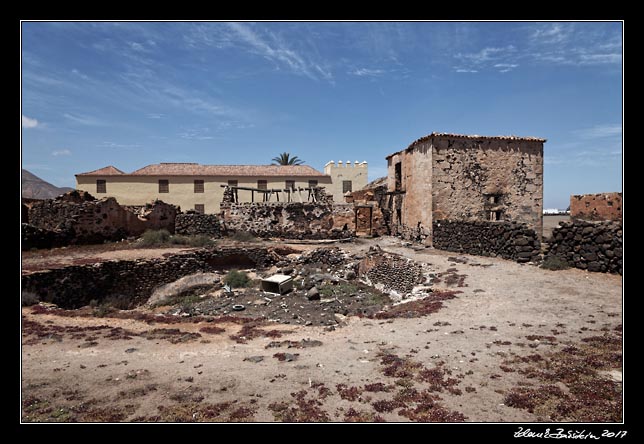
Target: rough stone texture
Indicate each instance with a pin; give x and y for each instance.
(78, 218)
(75, 286)
(34, 237)
(24, 214)
(290, 220)
(186, 283)
(603, 206)
(190, 224)
(592, 246)
(508, 240)
(392, 271)
(370, 212)
(447, 177)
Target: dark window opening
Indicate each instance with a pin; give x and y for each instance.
(164, 186)
(101, 186)
(200, 208)
(398, 176)
(313, 183)
(399, 216)
(290, 184)
(347, 186)
(262, 184)
(199, 186)
(495, 215)
(232, 183)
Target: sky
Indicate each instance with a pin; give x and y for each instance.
(130, 94)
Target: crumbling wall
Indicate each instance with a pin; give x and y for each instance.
(78, 218)
(603, 206)
(592, 246)
(75, 286)
(293, 220)
(391, 271)
(190, 224)
(508, 240)
(371, 202)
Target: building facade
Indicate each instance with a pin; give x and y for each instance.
(194, 186)
(465, 178)
(345, 178)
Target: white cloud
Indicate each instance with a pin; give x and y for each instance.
(117, 145)
(552, 33)
(137, 46)
(28, 122)
(61, 153)
(366, 72)
(600, 131)
(83, 120)
(487, 54)
(505, 67)
(465, 70)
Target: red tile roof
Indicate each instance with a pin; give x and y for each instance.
(195, 169)
(107, 171)
(471, 136)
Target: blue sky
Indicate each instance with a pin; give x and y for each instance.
(135, 93)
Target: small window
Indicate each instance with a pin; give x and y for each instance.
(200, 208)
(262, 184)
(290, 184)
(313, 183)
(232, 183)
(101, 186)
(398, 176)
(198, 186)
(493, 199)
(495, 215)
(346, 186)
(164, 186)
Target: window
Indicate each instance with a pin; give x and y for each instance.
(495, 215)
(290, 184)
(164, 186)
(313, 183)
(232, 183)
(200, 208)
(346, 186)
(198, 186)
(101, 186)
(493, 199)
(398, 174)
(262, 184)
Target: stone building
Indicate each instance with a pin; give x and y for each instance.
(455, 177)
(195, 186)
(345, 178)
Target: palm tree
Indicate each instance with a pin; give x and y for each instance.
(286, 159)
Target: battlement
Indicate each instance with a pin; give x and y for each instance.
(332, 165)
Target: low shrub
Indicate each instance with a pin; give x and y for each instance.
(155, 237)
(197, 240)
(243, 236)
(237, 279)
(29, 298)
(555, 263)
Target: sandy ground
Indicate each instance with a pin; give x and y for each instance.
(551, 222)
(505, 311)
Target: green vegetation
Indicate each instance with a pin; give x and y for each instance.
(155, 238)
(237, 279)
(286, 159)
(555, 263)
(243, 236)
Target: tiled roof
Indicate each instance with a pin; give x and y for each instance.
(107, 171)
(195, 169)
(470, 136)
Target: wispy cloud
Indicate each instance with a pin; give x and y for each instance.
(28, 122)
(196, 134)
(551, 33)
(118, 145)
(366, 72)
(154, 116)
(84, 120)
(64, 152)
(505, 67)
(465, 70)
(499, 58)
(600, 131)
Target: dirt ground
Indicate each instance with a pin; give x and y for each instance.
(517, 343)
(552, 222)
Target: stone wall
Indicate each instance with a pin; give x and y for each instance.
(371, 202)
(290, 220)
(592, 246)
(603, 206)
(75, 286)
(508, 240)
(190, 224)
(78, 218)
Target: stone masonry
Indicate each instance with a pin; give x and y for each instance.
(603, 206)
(465, 178)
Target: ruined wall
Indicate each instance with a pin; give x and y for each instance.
(190, 224)
(376, 199)
(290, 220)
(75, 286)
(592, 246)
(603, 206)
(508, 240)
(79, 218)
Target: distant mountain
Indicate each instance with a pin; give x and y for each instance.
(36, 188)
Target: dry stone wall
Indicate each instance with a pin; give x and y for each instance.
(508, 240)
(75, 286)
(290, 220)
(592, 246)
(191, 224)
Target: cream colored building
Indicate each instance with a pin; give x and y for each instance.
(195, 186)
(345, 177)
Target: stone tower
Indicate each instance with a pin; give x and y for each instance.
(345, 177)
